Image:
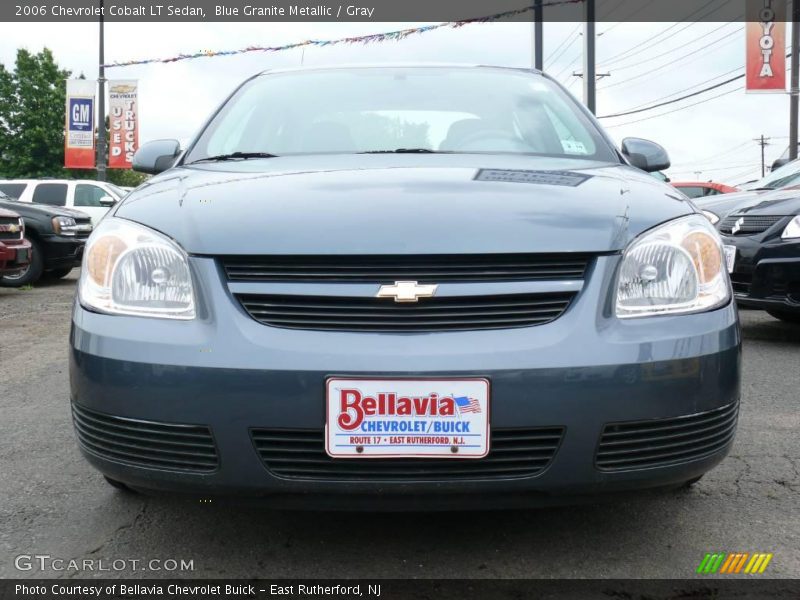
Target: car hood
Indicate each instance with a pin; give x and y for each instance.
(396, 204)
(28, 209)
(785, 202)
(724, 204)
(8, 213)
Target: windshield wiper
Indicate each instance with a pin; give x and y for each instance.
(234, 156)
(404, 151)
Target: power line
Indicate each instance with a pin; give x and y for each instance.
(628, 17)
(555, 55)
(652, 58)
(676, 109)
(691, 87)
(660, 104)
(651, 41)
(714, 157)
(651, 107)
(714, 169)
(672, 62)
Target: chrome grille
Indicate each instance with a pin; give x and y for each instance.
(421, 268)
(166, 446)
(749, 225)
(6, 226)
(664, 442)
(428, 314)
(300, 454)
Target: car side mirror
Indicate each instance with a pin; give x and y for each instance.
(155, 157)
(645, 155)
(779, 162)
(107, 201)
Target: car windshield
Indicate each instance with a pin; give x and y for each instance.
(788, 174)
(115, 191)
(393, 109)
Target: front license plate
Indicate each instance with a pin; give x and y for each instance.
(730, 257)
(404, 418)
(24, 256)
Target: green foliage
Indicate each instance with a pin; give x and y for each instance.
(32, 101)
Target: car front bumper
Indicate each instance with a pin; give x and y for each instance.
(766, 273)
(675, 377)
(15, 255)
(63, 251)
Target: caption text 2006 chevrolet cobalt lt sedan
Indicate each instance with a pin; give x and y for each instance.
(404, 287)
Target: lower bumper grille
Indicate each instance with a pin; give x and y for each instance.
(741, 282)
(166, 446)
(664, 442)
(300, 454)
(429, 314)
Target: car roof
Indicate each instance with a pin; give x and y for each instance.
(399, 65)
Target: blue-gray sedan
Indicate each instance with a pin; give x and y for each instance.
(404, 287)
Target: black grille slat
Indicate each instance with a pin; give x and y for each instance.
(750, 225)
(300, 454)
(422, 268)
(661, 442)
(429, 314)
(147, 444)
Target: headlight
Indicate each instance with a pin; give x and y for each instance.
(792, 229)
(65, 226)
(710, 216)
(129, 269)
(675, 268)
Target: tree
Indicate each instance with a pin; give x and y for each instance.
(32, 101)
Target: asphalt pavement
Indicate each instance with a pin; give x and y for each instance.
(52, 503)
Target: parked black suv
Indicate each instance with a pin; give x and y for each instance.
(57, 237)
(763, 243)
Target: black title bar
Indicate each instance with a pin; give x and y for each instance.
(366, 10)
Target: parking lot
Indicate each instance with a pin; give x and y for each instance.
(52, 503)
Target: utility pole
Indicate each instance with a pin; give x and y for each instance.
(763, 142)
(101, 103)
(589, 78)
(538, 40)
(793, 105)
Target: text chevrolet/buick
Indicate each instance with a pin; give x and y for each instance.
(404, 287)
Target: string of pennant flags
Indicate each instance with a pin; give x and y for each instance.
(372, 38)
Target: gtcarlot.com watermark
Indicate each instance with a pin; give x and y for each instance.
(46, 562)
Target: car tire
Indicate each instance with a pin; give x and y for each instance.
(691, 482)
(785, 316)
(59, 273)
(118, 485)
(31, 274)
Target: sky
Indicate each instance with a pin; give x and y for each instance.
(645, 62)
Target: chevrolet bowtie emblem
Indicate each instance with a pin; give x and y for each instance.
(737, 226)
(406, 291)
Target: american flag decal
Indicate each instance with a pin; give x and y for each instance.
(467, 405)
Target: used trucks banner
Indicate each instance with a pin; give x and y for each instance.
(79, 139)
(766, 46)
(123, 118)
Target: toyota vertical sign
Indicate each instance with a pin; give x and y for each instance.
(79, 140)
(766, 46)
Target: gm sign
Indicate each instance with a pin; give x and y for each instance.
(80, 114)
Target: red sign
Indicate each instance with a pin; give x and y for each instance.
(123, 119)
(766, 46)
